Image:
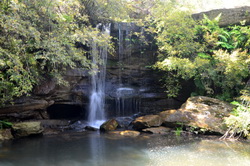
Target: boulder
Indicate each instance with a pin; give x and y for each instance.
(172, 117)
(199, 112)
(5, 134)
(24, 129)
(54, 123)
(157, 130)
(109, 125)
(146, 122)
(49, 131)
(208, 105)
(130, 133)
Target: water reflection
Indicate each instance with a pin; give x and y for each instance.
(94, 149)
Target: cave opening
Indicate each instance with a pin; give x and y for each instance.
(65, 111)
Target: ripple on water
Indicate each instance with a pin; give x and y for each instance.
(94, 149)
(206, 152)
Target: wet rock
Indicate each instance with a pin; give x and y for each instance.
(157, 130)
(49, 131)
(146, 122)
(130, 133)
(109, 125)
(5, 134)
(90, 128)
(54, 123)
(199, 112)
(24, 129)
(124, 122)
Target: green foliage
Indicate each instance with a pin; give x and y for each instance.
(178, 131)
(175, 31)
(228, 38)
(216, 58)
(42, 38)
(5, 124)
(238, 122)
(118, 10)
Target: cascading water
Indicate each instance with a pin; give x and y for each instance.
(97, 98)
(127, 102)
(124, 47)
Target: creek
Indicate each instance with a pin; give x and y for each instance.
(94, 149)
(123, 91)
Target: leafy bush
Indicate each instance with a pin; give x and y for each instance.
(40, 39)
(5, 124)
(238, 122)
(216, 58)
(174, 31)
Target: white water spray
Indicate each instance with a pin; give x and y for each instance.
(97, 97)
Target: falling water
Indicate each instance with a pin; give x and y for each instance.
(124, 47)
(120, 52)
(97, 97)
(121, 42)
(127, 102)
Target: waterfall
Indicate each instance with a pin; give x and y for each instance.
(127, 102)
(124, 47)
(97, 98)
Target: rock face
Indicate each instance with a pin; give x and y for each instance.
(131, 87)
(201, 112)
(109, 125)
(48, 94)
(228, 16)
(146, 122)
(5, 134)
(26, 129)
(25, 107)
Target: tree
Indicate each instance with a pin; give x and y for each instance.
(215, 58)
(41, 39)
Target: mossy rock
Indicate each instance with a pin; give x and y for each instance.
(24, 129)
(109, 125)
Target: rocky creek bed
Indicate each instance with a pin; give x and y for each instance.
(198, 115)
(171, 137)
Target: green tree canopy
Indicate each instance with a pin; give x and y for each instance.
(40, 39)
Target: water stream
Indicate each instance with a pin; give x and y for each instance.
(97, 98)
(94, 149)
(127, 103)
(126, 97)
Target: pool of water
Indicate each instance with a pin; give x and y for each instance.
(94, 149)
